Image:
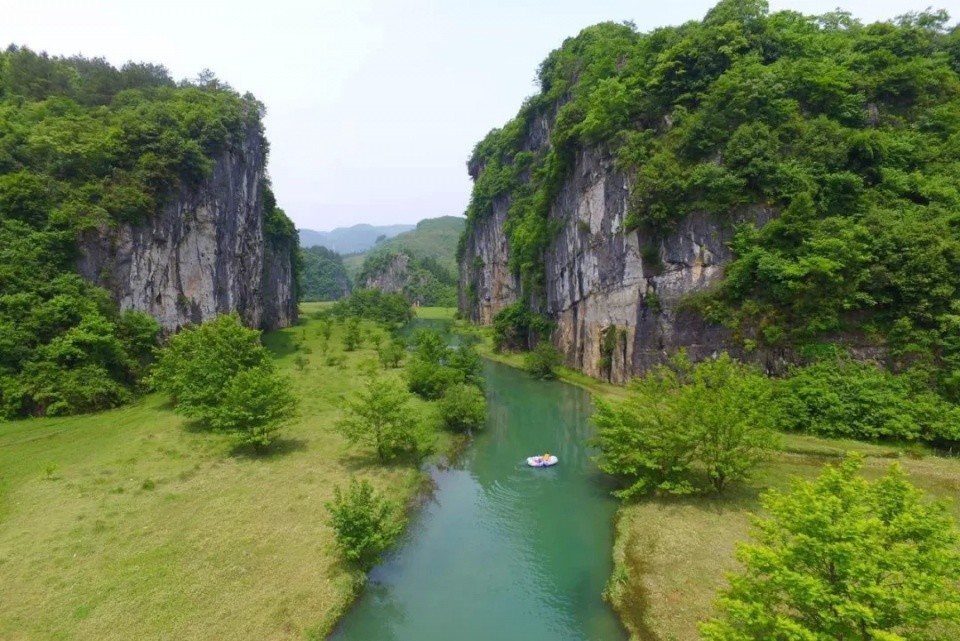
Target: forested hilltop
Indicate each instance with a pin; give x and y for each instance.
(86, 148)
(843, 138)
(420, 263)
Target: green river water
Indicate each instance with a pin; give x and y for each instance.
(503, 551)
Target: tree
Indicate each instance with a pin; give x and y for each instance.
(730, 405)
(352, 338)
(543, 361)
(463, 407)
(645, 439)
(680, 418)
(256, 404)
(845, 558)
(364, 523)
(428, 374)
(392, 353)
(380, 416)
(467, 363)
(198, 363)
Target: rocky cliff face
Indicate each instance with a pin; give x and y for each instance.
(614, 295)
(392, 278)
(203, 254)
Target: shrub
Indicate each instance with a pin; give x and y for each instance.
(196, 365)
(849, 399)
(463, 408)
(682, 418)
(256, 403)
(543, 361)
(364, 522)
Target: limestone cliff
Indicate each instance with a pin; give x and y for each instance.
(204, 253)
(613, 294)
(391, 275)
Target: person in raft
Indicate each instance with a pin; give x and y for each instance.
(545, 458)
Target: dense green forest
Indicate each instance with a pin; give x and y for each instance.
(324, 276)
(84, 145)
(849, 131)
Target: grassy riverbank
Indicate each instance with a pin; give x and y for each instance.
(134, 524)
(671, 555)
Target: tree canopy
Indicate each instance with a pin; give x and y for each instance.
(845, 558)
(847, 130)
(86, 146)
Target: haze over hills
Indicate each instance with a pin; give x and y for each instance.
(349, 240)
(434, 238)
(328, 275)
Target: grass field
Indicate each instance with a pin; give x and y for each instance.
(132, 524)
(672, 554)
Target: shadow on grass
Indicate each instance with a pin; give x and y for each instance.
(280, 344)
(280, 447)
(357, 461)
(197, 426)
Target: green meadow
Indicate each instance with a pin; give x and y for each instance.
(137, 524)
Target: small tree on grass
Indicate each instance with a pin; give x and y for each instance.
(427, 373)
(463, 407)
(467, 363)
(845, 558)
(364, 522)
(392, 353)
(543, 361)
(680, 418)
(197, 364)
(256, 404)
(380, 416)
(730, 406)
(352, 337)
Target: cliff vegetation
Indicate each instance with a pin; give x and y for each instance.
(85, 146)
(846, 131)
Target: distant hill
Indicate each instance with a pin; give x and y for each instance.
(349, 240)
(421, 263)
(434, 238)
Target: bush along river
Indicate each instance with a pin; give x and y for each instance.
(501, 550)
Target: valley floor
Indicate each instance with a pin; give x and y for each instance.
(134, 524)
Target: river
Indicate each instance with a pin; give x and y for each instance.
(502, 551)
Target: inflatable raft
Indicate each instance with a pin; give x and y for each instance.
(540, 461)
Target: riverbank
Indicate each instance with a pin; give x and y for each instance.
(671, 555)
(133, 523)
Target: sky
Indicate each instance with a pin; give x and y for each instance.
(373, 106)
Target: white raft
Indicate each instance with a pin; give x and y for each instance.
(539, 461)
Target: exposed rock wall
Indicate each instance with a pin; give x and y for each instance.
(392, 278)
(203, 254)
(487, 284)
(614, 295)
(279, 281)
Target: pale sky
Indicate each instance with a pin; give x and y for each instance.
(373, 106)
